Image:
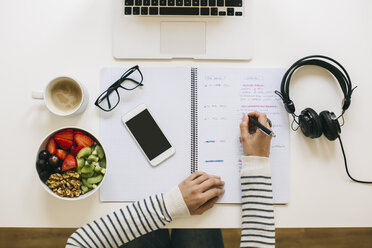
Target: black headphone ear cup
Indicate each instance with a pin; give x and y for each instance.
(310, 123)
(331, 127)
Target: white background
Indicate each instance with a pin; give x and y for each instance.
(43, 39)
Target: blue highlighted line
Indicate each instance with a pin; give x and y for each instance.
(210, 141)
(214, 161)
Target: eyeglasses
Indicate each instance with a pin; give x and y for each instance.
(110, 98)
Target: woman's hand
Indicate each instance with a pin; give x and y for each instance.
(200, 191)
(255, 142)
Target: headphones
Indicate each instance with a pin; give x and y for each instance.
(313, 125)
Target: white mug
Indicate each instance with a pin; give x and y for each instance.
(64, 96)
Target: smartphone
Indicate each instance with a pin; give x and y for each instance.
(148, 135)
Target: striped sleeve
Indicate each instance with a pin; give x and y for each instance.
(131, 221)
(258, 226)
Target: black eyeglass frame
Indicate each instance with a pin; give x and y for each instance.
(115, 86)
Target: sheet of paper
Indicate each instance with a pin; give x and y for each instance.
(224, 95)
(166, 92)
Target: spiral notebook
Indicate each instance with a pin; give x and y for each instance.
(199, 110)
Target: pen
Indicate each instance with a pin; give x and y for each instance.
(264, 129)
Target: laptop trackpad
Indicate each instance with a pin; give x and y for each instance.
(182, 38)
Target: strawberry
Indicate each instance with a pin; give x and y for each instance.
(69, 163)
(51, 147)
(66, 134)
(75, 150)
(64, 143)
(78, 132)
(61, 154)
(83, 140)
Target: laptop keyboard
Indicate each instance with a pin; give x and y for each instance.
(184, 7)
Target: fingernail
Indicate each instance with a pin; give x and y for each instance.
(245, 117)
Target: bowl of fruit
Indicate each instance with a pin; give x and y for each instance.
(71, 163)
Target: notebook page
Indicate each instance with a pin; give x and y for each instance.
(224, 95)
(166, 92)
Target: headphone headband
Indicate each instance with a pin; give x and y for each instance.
(331, 65)
(313, 125)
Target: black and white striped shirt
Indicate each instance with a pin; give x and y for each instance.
(258, 226)
(157, 211)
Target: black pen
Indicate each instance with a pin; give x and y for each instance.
(264, 129)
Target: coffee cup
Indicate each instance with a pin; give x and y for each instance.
(64, 96)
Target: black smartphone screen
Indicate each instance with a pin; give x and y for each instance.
(148, 134)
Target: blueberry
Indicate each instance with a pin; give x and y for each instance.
(41, 165)
(44, 175)
(53, 161)
(43, 154)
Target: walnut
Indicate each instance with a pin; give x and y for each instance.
(67, 192)
(72, 174)
(75, 183)
(52, 184)
(55, 177)
(78, 192)
(65, 185)
(60, 191)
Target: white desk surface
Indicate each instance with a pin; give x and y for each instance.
(42, 39)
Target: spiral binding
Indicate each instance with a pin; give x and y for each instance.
(194, 120)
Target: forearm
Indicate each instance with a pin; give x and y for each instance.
(130, 222)
(258, 228)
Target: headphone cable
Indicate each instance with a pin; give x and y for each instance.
(347, 170)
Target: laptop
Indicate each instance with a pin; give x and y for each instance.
(167, 29)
